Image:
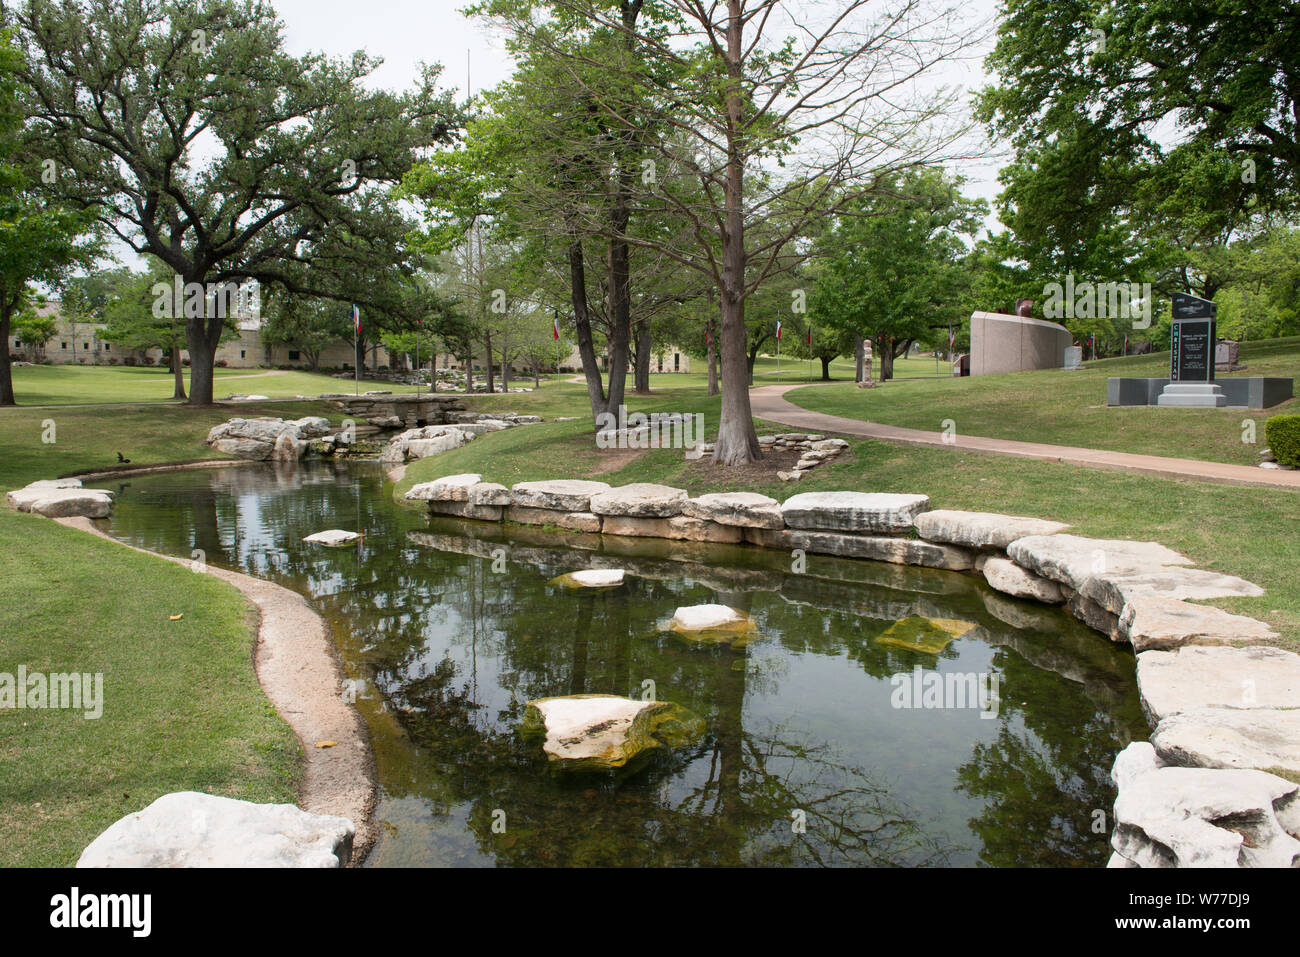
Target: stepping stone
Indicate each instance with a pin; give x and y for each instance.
(333, 538)
(1162, 624)
(718, 624)
(642, 500)
(1072, 559)
(929, 635)
(449, 488)
(591, 578)
(980, 529)
(1265, 739)
(854, 511)
(1196, 677)
(595, 732)
(563, 495)
(746, 509)
(189, 829)
(1008, 577)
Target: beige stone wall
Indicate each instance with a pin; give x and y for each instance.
(1003, 343)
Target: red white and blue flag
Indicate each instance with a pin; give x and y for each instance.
(810, 334)
(356, 318)
(555, 326)
(778, 330)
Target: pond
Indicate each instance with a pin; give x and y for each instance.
(817, 748)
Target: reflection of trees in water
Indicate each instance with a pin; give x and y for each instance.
(1042, 783)
(726, 801)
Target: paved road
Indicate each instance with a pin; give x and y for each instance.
(769, 403)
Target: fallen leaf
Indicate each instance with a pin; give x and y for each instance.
(177, 617)
(326, 744)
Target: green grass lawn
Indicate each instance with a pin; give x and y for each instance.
(1069, 408)
(71, 385)
(182, 709)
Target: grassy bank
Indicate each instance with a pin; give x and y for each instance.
(1069, 408)
(182, 709)
(1238, 530)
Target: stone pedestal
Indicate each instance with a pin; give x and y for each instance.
(1193, 395)
(1073, 357)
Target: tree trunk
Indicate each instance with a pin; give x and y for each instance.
(198, 341)
(582, 320)
(179, 391)
(491, 383)
(712, 349)
(6, 371)
(641, 381)
(859, 351)
(886, 344)
(826, 368)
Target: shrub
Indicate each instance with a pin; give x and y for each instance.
(1282, 433)
(220, 363)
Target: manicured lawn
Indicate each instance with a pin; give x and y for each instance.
(70, 385)
(1069, 408)
(182, 709)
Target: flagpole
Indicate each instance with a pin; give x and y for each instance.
(778, 352)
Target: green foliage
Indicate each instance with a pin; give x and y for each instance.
(1282, 432)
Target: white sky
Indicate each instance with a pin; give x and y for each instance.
(404, 33)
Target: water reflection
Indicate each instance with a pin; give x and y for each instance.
(451, 627)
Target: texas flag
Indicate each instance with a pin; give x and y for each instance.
(356, 318)
(810, 335)
(555, 326)
(778, 330)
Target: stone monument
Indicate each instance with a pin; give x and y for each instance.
(1074, 357)
(1191, 356)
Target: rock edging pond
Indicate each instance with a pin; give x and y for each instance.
(1136, 592)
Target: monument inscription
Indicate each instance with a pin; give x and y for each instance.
(1192, 339)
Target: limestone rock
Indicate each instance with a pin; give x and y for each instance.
(980, 529)
(881, 548)
(1113, 590)
(641, 500)
(1008, 577)
(1197, 817)
(483, 513)
(449, 488)
(489, 493)
(1265, 739)
(1195, 677)
(285, 448)
(1160, 624)
(853, 511)
(713, 623)
(1094, 616)
(679, 528)
(596, 732)
(333, 538)
(189, 829)
(1072, 559)
(574, 521)
(56, 501)
(591, 578)
(564, 495)
(747, 509)
(929, 635)
(312, 426)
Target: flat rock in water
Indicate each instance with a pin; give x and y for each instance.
(1264, 739)
(929, 635)
(333, 538)
(1161, 624)
(1114, 591)
(591, 578)
(1008, 577)
(604, 732)
(189, 829)
(562, 495)
(54, 499)
(746, 509)
(854, 511)
(1196, 676)
(1200, 817)
(719, 624)
(641, 499)
(980, 529)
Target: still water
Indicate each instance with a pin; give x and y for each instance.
(447, 628)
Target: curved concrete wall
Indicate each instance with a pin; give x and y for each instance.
(1002, 343)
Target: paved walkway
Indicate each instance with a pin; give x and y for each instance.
(769, 403)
